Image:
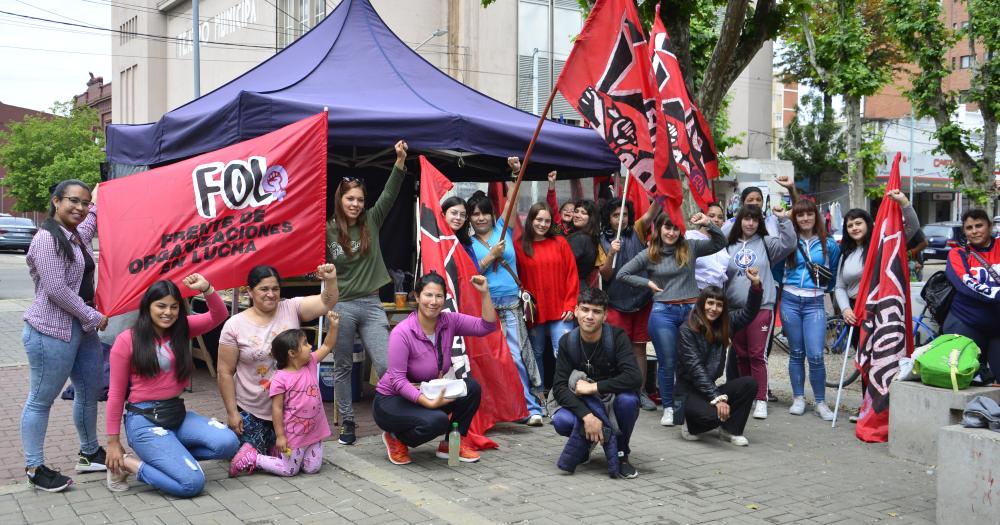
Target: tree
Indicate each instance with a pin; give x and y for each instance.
(42, 150)
(919, 27)
(843, 47)
(814, 142)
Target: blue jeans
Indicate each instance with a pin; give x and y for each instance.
(511, 324)
(554, 330)
(51, 362)
(626, 414)
(803, 319)
(170, 457)
(665, 322)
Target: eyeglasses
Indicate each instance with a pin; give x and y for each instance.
(76, 201)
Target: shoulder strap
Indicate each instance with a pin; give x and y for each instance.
(502, 262)
(574, 348)
(989, 268)
(608, 342)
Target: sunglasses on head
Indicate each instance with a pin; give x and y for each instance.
(350, 180)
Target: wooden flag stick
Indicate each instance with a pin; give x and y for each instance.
(524, 164)
(622, 215)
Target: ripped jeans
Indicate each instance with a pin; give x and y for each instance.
(170, 457)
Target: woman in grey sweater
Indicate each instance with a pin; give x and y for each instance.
(667, 268)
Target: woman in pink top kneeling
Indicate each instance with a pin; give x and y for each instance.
(420, 350)
(152, 363)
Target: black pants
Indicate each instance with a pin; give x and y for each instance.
(701, 416)
(415, 425)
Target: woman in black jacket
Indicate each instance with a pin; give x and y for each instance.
(701, 360)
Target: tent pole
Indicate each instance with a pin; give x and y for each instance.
(524, 164)
(416, 264)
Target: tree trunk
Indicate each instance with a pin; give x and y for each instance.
(713, 89)
(855, 170)
(677, 21)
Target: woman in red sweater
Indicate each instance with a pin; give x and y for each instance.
(547, 269)
(151, 362)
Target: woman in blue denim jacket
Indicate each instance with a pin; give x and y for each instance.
(803, 313)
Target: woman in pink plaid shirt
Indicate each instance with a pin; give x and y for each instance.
(60, 332)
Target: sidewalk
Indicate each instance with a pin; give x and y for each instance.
(796, 470)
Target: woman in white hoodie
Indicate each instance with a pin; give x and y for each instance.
(750, 246)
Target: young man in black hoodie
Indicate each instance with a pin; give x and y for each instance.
(609, 390)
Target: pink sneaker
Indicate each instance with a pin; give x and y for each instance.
(245, 460)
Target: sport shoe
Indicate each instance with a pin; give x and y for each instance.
(760, 410)
(855, 417)
(646, 403)
(823, 411)
(626, 470)
(47, 479)
(347, 435)
(737, 441)
(687, 435)
(118, 482)
(535, 420)
(668, 417)
(465, 454)
(798, 406)
(770, 396)
(92, 462)
(398, 452)
(245, 460)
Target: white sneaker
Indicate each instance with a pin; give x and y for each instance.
(668, 417)
(798, 406)
(737, 441)
(823, 411)
(535, 420)
(760, 410)
(687, 435)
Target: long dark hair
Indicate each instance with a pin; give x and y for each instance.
(63, 246)
(716, 331)
(847, 243)
(343, 236)
(681, 252)
(752, 212)
(805, 206)
(527, 238)
(284, 342)
(480, 201)
(144, 358)
(463, 232)
(593, 227)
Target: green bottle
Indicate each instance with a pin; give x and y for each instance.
(454, 444)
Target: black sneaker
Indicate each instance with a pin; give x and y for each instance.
(347, 436)
(92, 462)
(47, 479)
(771, 398)
(626, 470)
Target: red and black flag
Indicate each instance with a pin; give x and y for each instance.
(486, 358)
(608, 78)
(885, 317)
(691, 137)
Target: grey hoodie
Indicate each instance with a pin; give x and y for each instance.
(677, 282)
(760, 253)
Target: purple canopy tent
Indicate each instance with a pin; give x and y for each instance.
(378, 90)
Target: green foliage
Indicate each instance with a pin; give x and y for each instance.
(40, 151)
(814, 142)
(871, 157)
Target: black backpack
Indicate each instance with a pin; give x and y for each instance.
(937, 295)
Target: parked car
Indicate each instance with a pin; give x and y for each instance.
(16, 233)
(941, 238)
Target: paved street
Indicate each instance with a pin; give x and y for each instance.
(796, 470)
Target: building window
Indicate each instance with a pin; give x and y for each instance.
(128, 30)
(546, 29)
(296, 17)
(965, 62)
(125, 94)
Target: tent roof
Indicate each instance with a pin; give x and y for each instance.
(378, 90)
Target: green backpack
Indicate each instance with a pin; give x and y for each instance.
(950, 362)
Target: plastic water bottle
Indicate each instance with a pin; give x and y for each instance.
(454, 444)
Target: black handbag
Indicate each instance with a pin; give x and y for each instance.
(169, 413)
(821, 273)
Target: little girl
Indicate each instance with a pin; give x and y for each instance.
(296, 402)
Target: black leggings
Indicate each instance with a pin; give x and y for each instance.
(415, 425)
(702, 416)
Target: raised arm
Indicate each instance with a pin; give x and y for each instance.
(784, 244)
(330, 339)
(911, 223)
(481, 286)
(550, 198)
(716, 241)
(316, 305)
(51, 270)
(689, 363)
(217, 312)
(386, 200)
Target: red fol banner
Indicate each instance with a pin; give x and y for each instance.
(608, 78)
(489, 357)
(693, 147)
(885, 318)
(262, 201)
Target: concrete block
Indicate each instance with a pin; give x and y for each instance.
(967, 467)
(917, 411)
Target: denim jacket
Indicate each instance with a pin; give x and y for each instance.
(799, 276)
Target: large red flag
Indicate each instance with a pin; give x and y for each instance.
(609, 79)
(262, 201)
(489, 358)
(640, 199)
(693, 147)
(885, 318)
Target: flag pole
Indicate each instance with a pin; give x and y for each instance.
(416, 264)
(524, 164)
(622, 216)
(843, 371)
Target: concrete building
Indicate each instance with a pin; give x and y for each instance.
(97, 96)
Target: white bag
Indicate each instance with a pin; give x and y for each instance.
(453, 388)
